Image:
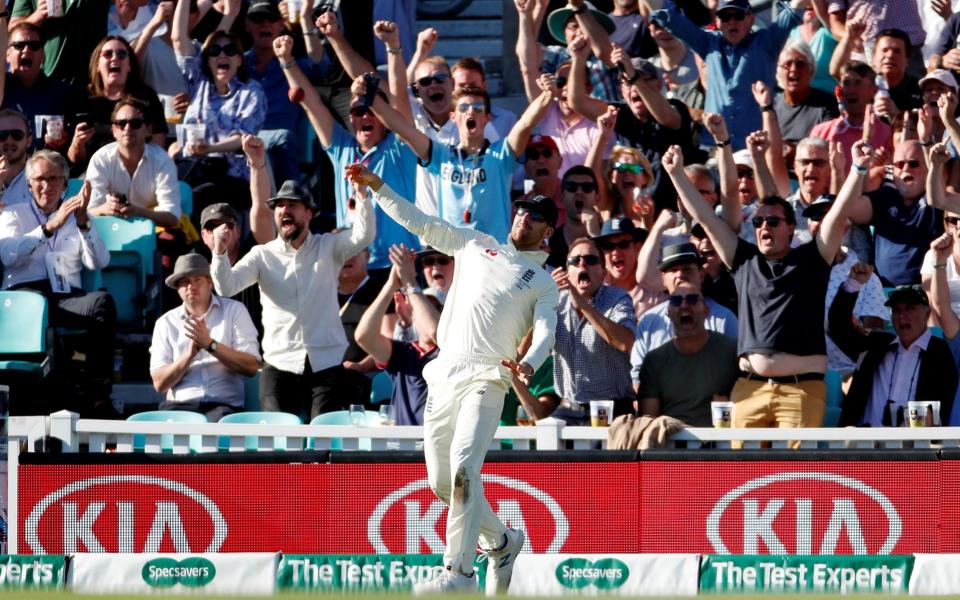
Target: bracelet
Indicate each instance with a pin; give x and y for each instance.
(766, 108)
(940, 266)
(860, 170)
(396, 50)
(287, 65)
(926, 144)
(312, 31)
(46, 232)
(257, 167)
(720, 144)
(414, 289)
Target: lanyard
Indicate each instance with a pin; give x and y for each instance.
(52, 240)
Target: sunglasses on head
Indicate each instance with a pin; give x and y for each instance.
(262, 18)
(431, 79)
(622, 167)
(771, 221)
(535, 154)
(32, 44)
(109, 53)
(215, 50)
(210, 226)
(588, 187)
(591, 260)
(731, 15)
(952, 220)
(479, 107)
(621, 245)
(440, 261)
(817, 162)
(679, 300)
(135, 123)
(534, 215)
(900, 164)
(16, 134)
(358, 112)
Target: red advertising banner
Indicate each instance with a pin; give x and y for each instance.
(650, 506)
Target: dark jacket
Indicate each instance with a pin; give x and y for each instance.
(936, 379)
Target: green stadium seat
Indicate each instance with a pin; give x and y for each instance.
(382, 388)
(186, 198)
(167, 416)
(132, 244)
(25, 334)
(342, 417)
(262, 418)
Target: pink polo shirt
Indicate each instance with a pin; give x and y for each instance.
(839, 130)
(574, 140)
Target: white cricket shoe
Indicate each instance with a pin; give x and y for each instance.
(500, 562)
(450, 581)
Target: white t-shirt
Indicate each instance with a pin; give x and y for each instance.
(953, 278)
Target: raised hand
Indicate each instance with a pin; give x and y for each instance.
(947, 105)
(387, 32)
(863, 154)
(861, 272)
(579, 47)
(522, 370)
(838, 162)
(426, 40)
(758, 142)
(608, 120)
(283, 48)
(672, 160)
(329, 26)
(254, 149)
(548, 83)
(402, 259)
(762, 94)
(359, 174)
(939, 155)
(942, 247)
(716, 126)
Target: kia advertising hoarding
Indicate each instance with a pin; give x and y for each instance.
(653, 505)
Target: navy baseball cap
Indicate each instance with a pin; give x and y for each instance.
(909, 294)
(743, 5)
(619, 226)
(539, 203)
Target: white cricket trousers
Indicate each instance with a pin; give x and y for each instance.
(464, 402)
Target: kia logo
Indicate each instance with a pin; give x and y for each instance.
(166, 518)
(416, 525)
(845, 517)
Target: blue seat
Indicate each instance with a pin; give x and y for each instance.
(167, 416)
(381, 388)
(251, 393)
(833, 380)
(186, 198)
(25, 335)
(262, 418)
(132, 244)
(342, 417)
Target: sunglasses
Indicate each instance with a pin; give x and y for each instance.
(952, 220)
(731, 15)
(689, 299)
(771, 221)
(120, 54)
(817, 162)
(431, 79)
(261, 18)
(591, 260)
(627, 168)
(440, 261)
(741, 173)
(588, 187)
(534, 215)
(214, 50)
(16, 134)
(32, 44)
(535, 154)
(479, 107)
(562, 81)
(796, 64)
(900, 164)
(135, 123)
(214, 224)
(358, 112)
(611, 246)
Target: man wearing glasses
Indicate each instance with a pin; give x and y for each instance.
(595, 325)
(499, 293)
(44, 245)
(578, 194)
(475, 175)
(781, 345)
(666, 387)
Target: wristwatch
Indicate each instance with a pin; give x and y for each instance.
(212, 348)
(312, 31)
(720, 144)
(414, 289)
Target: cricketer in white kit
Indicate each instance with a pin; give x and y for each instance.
(499, 292)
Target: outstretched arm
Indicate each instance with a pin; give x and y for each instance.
(529, 53)
(647, 272)
(425, 42)
(580, 100)
(942, 248)
(937, 194)
(649, 89)
(724, 239)
(316, 110)
(261, 217)
(367, 334)
(729, 201)
(758, 143)
(388, 32)
(353, 63)
(396, 122)
(773, 155)
(598, 37)
(521, 130)
(831, 229)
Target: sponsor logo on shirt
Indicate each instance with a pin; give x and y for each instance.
(460, 176)
(523, 282)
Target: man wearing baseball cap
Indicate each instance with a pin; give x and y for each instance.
(891, 369)
(541, 163)
(499, 293)
(303, 340)
(735, 55)
(202, 349)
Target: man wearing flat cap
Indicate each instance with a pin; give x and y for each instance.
(303, 340)
(891, 369)
(202, 349)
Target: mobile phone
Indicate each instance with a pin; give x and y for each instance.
(83, 118)
(373, 84)
(122, 199)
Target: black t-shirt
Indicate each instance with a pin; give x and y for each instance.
(558, 249)
(405, 367)
(796, 122)
(357, 304)
(722, 290)
(46, 97)
(907, 94)
(653, 139)
(781, 301)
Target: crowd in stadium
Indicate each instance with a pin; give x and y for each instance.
(731, 210)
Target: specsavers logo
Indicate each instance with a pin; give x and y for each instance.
(195, 571)
(605, 574)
